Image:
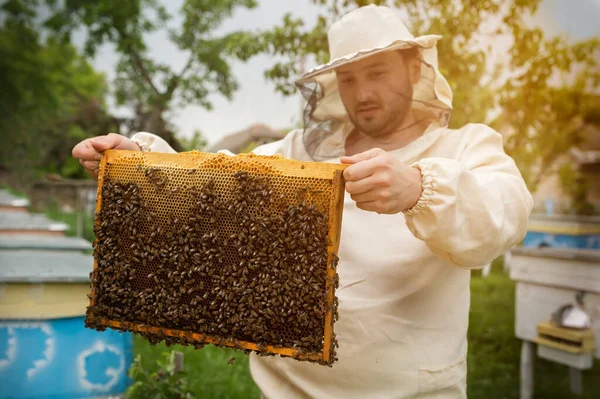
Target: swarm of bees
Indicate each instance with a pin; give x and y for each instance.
(249, 266)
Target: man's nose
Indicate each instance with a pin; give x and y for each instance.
(363, 93)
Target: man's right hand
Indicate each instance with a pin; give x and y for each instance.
(89, 151)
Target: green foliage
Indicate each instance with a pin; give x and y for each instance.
(463, 66)
(576, 186)
(209, 373)
(547, 104)
(13, 191)
(50, 96)
(149, 86)
(71, 219)
(197, 142)
(249, 147)
(542, 104)
(165, 382)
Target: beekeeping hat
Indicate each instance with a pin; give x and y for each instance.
(357, 35)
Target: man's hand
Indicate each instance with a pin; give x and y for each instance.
(379, 182)
(89, 151)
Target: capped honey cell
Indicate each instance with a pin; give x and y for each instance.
(236, 251)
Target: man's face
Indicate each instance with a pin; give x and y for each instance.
(377, 91)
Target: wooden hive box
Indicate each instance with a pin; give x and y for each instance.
(565, 339)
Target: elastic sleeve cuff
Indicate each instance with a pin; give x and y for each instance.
(428, 183)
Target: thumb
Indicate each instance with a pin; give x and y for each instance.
(103, 143)
(362, 156)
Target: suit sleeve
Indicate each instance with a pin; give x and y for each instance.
(151, 142)
(474, 208)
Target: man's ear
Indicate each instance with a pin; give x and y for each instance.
(414, 69)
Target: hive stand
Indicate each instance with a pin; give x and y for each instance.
(547, 278)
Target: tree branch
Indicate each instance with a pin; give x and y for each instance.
(140, 66)
(541, 174)
(174, 82)
(138, 61)
(187, 66)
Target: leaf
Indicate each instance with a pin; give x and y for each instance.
(538, 108)
(50, 98)
(143, 83)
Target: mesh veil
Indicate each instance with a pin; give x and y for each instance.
(326, 123)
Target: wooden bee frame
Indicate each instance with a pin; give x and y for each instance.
(161, 182)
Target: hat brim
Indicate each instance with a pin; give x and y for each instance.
(425, 41)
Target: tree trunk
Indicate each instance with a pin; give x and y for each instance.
(153, 122)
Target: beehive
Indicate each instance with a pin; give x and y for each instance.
(237, 251)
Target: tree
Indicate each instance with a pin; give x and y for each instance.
(541, 104)
(149, 86)
(50, 97)
(195, 143)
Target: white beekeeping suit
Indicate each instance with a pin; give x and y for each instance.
(402, 330)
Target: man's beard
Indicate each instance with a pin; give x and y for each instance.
(392, 118)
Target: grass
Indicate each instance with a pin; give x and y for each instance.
(58, 215)
(493, 356)
(494, 352)
(493, 359)
(70, 219)
(209, 374)
(13, 191)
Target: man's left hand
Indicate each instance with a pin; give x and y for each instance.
(379, 182)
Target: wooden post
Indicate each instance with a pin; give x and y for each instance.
(486, 270)
(527, 366)
(301, 70)
(506, 263)
(79, 208)
(178, 362)
(576, 381)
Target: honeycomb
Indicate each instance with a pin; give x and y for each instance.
(235, 251)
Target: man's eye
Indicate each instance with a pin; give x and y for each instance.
(377, 74)
(347, 80)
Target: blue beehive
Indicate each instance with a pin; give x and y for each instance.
(45, 349)
(563, 231)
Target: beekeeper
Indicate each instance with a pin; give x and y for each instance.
(425, 204)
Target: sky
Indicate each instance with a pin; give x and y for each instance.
(257, 102)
